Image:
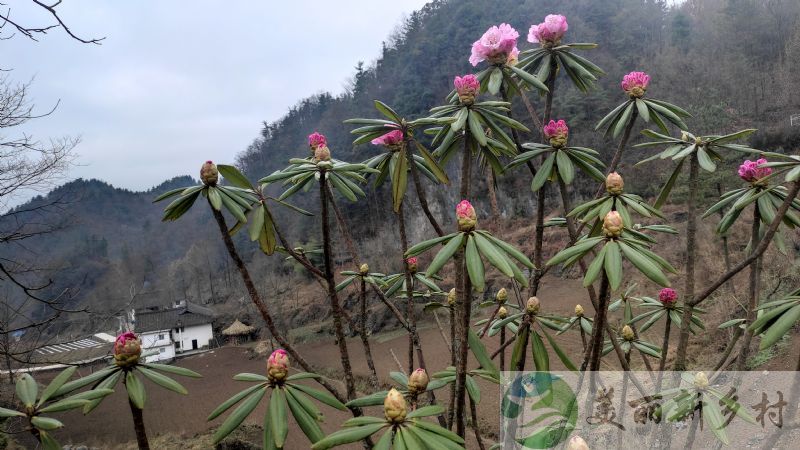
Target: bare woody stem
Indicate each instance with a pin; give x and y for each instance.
(409, 282)
(336, 309)
(755, 272)
(475, 425)
(423, 199)
(691, 238)
(264, 311)
(463, 306)
(599, 324)
(373, 378)
(665, 345)
(138, 425)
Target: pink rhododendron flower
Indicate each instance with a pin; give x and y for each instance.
(550, 31)
(635, 83)
(391, 139)
(557, 133)
(467, 88)
(513, 57)
(278, 365)
(667, 296)
(465, 213)
(495, 45)
(750, 172)
(127, 348)
(412, 263)
(316, 140)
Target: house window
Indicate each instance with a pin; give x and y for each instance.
(160, 337)
(177, 344)
(162, 350)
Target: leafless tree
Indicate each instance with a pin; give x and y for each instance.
(9, 26)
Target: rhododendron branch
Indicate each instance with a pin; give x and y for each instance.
(344, 230)
(755, 272)
(138, 424)
(373, 378)
(665, 344)
(410, 317)
(691, 238)
(599, 324)
(423, 200)
(723, 360)
(475, 426)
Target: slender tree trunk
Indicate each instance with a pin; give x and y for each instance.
(453, 359)
(461, 369)
(492, 193)
(409, 282)
(755, 272)
(264, 311)
(503, 353)
(138, 425)
(626, 135)
(599, 324)
(462, 306)
(336, 309)
(665, 345)
(423, 200)
(373, 379)
(475, 425)
(688, 289)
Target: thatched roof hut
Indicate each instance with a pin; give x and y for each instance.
(238, 329)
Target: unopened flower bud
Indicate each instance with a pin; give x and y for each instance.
(701, 380)
(209, 174)
(127, 349)
(557, 133)
(577, 443)
(412, 264)
(502, 313)
(394, 406)
(579, 310)
(667, 296)
(614, 183)
(322, 153)
(465, 213)
(532, 307)
(627, 333)
(418, 381)
(502, 296)
(364, 269)
(451, 297)
(467, 87)
(278, 365)
(612, 224)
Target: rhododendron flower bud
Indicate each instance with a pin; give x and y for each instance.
(549, 32)
(465, 214)
(750, 172)
(532, 307)
(316, 140)
(412, 264)
(579, 310)
(614, 183)
(502, 312)
(322, 153)
(612, 224)
(394, 406)
(635, 84)
(627, 333)
(701, 380)
(392, 140)
(495, 45)
(667, 296)
(557, 133)
(418, 381)
(502, 296)
(513, 57)
(577, 443)
(467, 88)
(127, 349)
(451, 297)
(278, 365)
(209, 174)
(364, 269)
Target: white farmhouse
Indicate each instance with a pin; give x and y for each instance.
(169, 331)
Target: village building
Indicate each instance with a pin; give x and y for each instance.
(169, 331)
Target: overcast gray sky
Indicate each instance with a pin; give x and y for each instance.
(177, 82)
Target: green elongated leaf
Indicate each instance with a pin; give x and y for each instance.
(387, 111)
(214, 198)
(559, 352)
(85, 381)
(705, 161)
(172, 193)
(519, 346)
(436, 429)
(528, 78)
(5, 412)
(305, 402)
(307, 422)
(431, 163)
(226, 405)
(425, 411)
(106, 384)
(579, 248)
(733, 136)
(611, 116)
(541, 360)
(509, 249)
(543, 173)
(623, 121)
(385, 442)
(594, 268)
(647, 350)
(613, 264)
(425, 245)
(479, 350)
(432, 440)
(374, 399)
(444, 255)
(667, 188)
(256, 223)
(46, 423)
(234, 177)
(135, 389)
(278, 419)
(48, 442)
(494, 255)
(63, 405)
(348, 435)
(56, 384)
(712, 413)
(565, 168)
(163, 381)
(399, 180)
(495, 80)
(780, 327)
(461, 119)
(473, 390)
(238, 415)
(644, 264)
(342, 187)
(324, 397)
(476, 129)
(27, 389)
(250, 377)
(641, 107)
(474, 265)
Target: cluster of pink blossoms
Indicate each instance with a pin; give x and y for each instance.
(557, 133)
(467, 88)
(496, 45)
(316, 140)
(550, 31)
(635, 84)
(465, 214)
(750, 170)
(391, 139)
(278, 365)
(667, 296)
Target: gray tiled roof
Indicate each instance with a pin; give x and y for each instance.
(186, 316)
